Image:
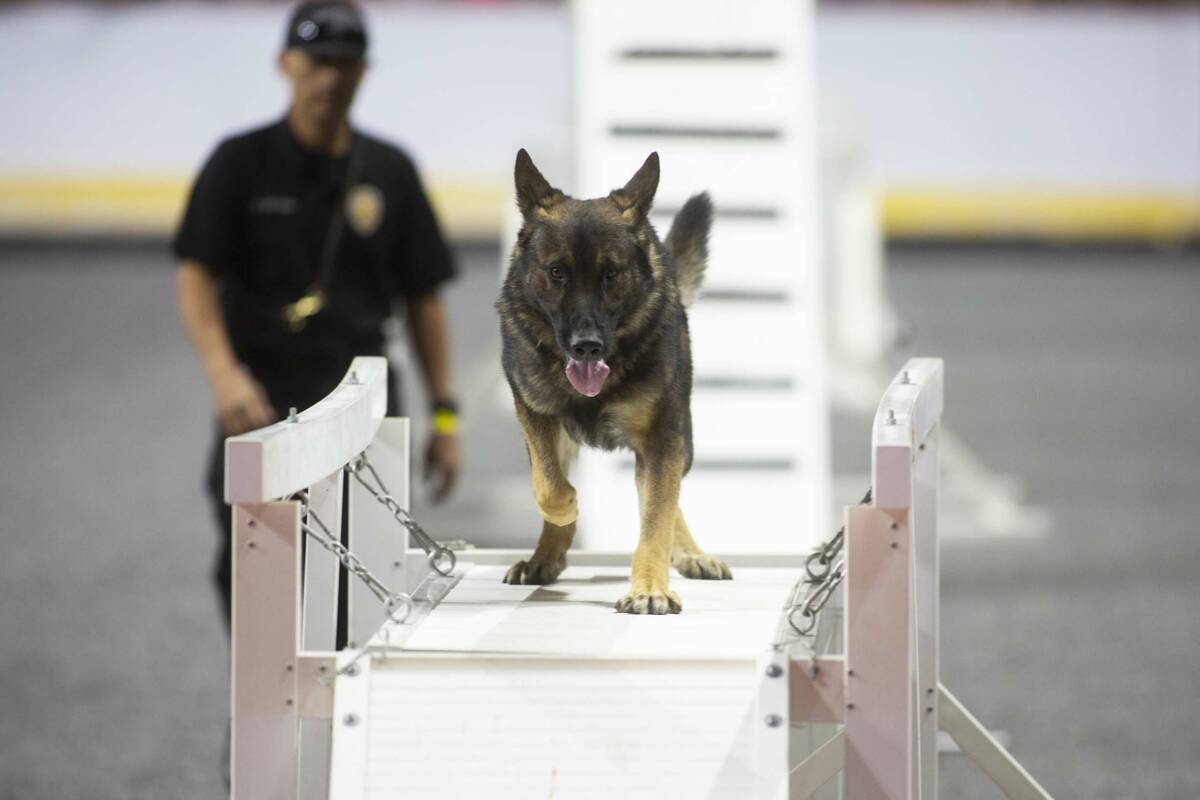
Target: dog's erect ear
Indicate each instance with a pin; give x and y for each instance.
(635, 198)
(533, 191)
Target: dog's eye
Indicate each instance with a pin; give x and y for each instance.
(557, 273)
(611, 275)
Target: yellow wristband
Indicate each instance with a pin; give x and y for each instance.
(445, 423)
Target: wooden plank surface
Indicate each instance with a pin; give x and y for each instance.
(574, 617)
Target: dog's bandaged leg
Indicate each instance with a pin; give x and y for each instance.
(550, 455)
(550, 452)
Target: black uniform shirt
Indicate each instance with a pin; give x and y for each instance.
(258, 218)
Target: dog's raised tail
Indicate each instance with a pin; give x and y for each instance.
(688, 244)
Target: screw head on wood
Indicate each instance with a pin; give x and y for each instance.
(251, 544)
(774, 720)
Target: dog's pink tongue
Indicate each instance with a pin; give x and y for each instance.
(587, 376)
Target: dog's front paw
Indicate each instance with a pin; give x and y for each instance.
(651, 602)
(702, 566)
(534, 572)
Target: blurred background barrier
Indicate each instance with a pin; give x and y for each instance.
(1075, 122)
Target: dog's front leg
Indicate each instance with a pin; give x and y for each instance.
(658, 473)
(550, 454)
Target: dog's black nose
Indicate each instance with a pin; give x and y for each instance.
(586, 349)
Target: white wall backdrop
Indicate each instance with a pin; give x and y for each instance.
(964, 98)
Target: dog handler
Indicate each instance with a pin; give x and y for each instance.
(297, 240)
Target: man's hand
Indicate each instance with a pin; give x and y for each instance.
(241, 402)
(441, 461)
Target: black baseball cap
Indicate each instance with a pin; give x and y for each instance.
(328, 28)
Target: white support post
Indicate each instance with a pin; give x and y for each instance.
(879, 663)
(266, 635)
(927, 606)
(348, 757)
(319, 632)
(321, 568)
(771, 725)
(376, 537)
(891, 598)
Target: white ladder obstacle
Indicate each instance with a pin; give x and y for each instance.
(724, 91)
(476, 688)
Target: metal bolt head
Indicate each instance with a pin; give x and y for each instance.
(895, 545)
(850, 706)
(351, 670)
(251, 544)
(928, 709)
(252, 523)
(290, 701)
(350, 720)
(774, 670)
(774, 720)
(290, 668)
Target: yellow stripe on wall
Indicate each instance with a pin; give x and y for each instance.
(151, 205)
(471, 208)
(1084, 216)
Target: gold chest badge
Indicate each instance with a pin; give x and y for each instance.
(364, 208)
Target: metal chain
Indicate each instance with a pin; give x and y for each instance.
(441, 558)
(822, 580)
(391, 601)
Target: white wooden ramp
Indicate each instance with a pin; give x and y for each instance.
(527, 691)
(480, 689)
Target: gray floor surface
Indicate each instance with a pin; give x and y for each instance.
(1077, 371)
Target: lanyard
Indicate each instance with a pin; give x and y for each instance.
(295, 315)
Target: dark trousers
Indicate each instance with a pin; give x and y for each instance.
(283, 395)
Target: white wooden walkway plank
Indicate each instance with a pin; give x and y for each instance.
(532, 728)
(574, 617)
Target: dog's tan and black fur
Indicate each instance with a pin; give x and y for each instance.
(596, 351)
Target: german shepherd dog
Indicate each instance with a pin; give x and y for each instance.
(595, 348)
